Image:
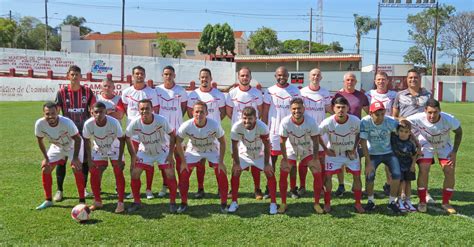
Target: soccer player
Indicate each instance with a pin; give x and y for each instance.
(357, 102)
(375, 132)
(317, 102)
(251, 148)
(238, 98)
(66, 142)
(303, 139)
(206, 142)
(130, 97)
(386, 97)
(151, 130)
(343, 133)
(276, 106)
(75, 102)
(432, 127)
(109, 142)
(112, 102)
(173, 104)
(215, 101)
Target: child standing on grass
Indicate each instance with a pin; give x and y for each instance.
(405, 149)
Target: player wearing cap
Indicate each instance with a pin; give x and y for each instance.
(299, 137)
(173, 102)
(432, 128)
(109, 142)
(154, 147)
(66, 142)
(215, 101)
(276, 106)
(251, 148)
(375, 133)
(206, 142)
(130, 97)
(341, 151)
(238, 98)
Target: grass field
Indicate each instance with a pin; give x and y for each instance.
(21, 192)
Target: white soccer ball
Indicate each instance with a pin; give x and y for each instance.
(81, 213)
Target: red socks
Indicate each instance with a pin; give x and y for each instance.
(47, 185)
(327, 197)
(422, 195)
(283, 185)
(317, 186)
(357, 196)
(80, 183)
(184, 185)
(271, 182)
(173, 187)
(223, 184)
(136, 184)
(256, 176)
(200, 173)
(149, 177)
(302, 171)
(120, 183)
(235, 183)
(95, 183)
(447, 194)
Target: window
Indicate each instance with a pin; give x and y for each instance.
(190, 53)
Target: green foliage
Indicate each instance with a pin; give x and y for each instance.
(217, 37)
(169, 46)
(205, 40)
(228, 40)
(415, 55)
(335, 47)
(78, 22)
(7, 32)
(264, 42)
(298, 46)
(363, 25)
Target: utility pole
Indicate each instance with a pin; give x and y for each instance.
(10, 15)
(433, 65)
(123, 41)
(46, 28)
(310, 29)
(377, 42)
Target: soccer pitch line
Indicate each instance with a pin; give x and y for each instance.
(430, 207)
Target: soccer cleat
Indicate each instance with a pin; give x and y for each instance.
(273, 208)
(409, 206)
(58, 196)
(163, 191)
(135, 206)
(233, 207)
(200, 194)
(318, 208)
(258, 194)
(149, 194)
(359, 209)
(422, 207)
(182, 208)
(370, 206)
(173, 208)
(266, 195)
(44, 205)
(283, 208)
(95, 206)
(130, 196)
(386, 189)
(120, 208)
(224, 209)
(294, 193)
(394, 207)
(340, 190)
(327, 208)
(448, 208)
(301, 191)
(430, 199)
(401, 206)
(87, 193)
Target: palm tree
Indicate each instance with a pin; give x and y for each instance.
(363, 25)
(78, 22)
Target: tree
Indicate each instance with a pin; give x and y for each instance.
(78, 22)
(296, 46)
(459, 36)
(205, 40)
(363, 25)
(170, 47)
(335, 47)
(7, 32)
(217, 37)
(415, 55)
(264, 42)
(422, 32)
(228, 40)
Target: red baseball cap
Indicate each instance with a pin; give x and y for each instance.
(376, 106)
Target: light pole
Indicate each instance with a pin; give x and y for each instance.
(123, 41)
(46, 28)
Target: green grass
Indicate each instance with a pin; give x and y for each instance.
(21, 192)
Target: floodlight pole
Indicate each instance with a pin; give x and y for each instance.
(123, 42)
(433, 65)
(377, 42)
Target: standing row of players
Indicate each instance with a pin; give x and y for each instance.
(281, 108)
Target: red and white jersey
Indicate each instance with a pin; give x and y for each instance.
(104, 137)
(342, 136)
(214, 100)
(279, 100)
(238, 100)
(299, 142)
(201, 139)
(435, 134)
(59, 135)
(170, 103)
(115, 103)
(152, 137)
(385, 98)
(250, 141)
(131, 97)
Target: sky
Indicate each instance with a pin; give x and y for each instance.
(289, 18)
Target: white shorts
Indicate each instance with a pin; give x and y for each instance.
(193, 158)
(275, 142)
(149, 160)
(428, 152)
(246, 162)
(56, 153)
(334, 165)
(112, 154)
